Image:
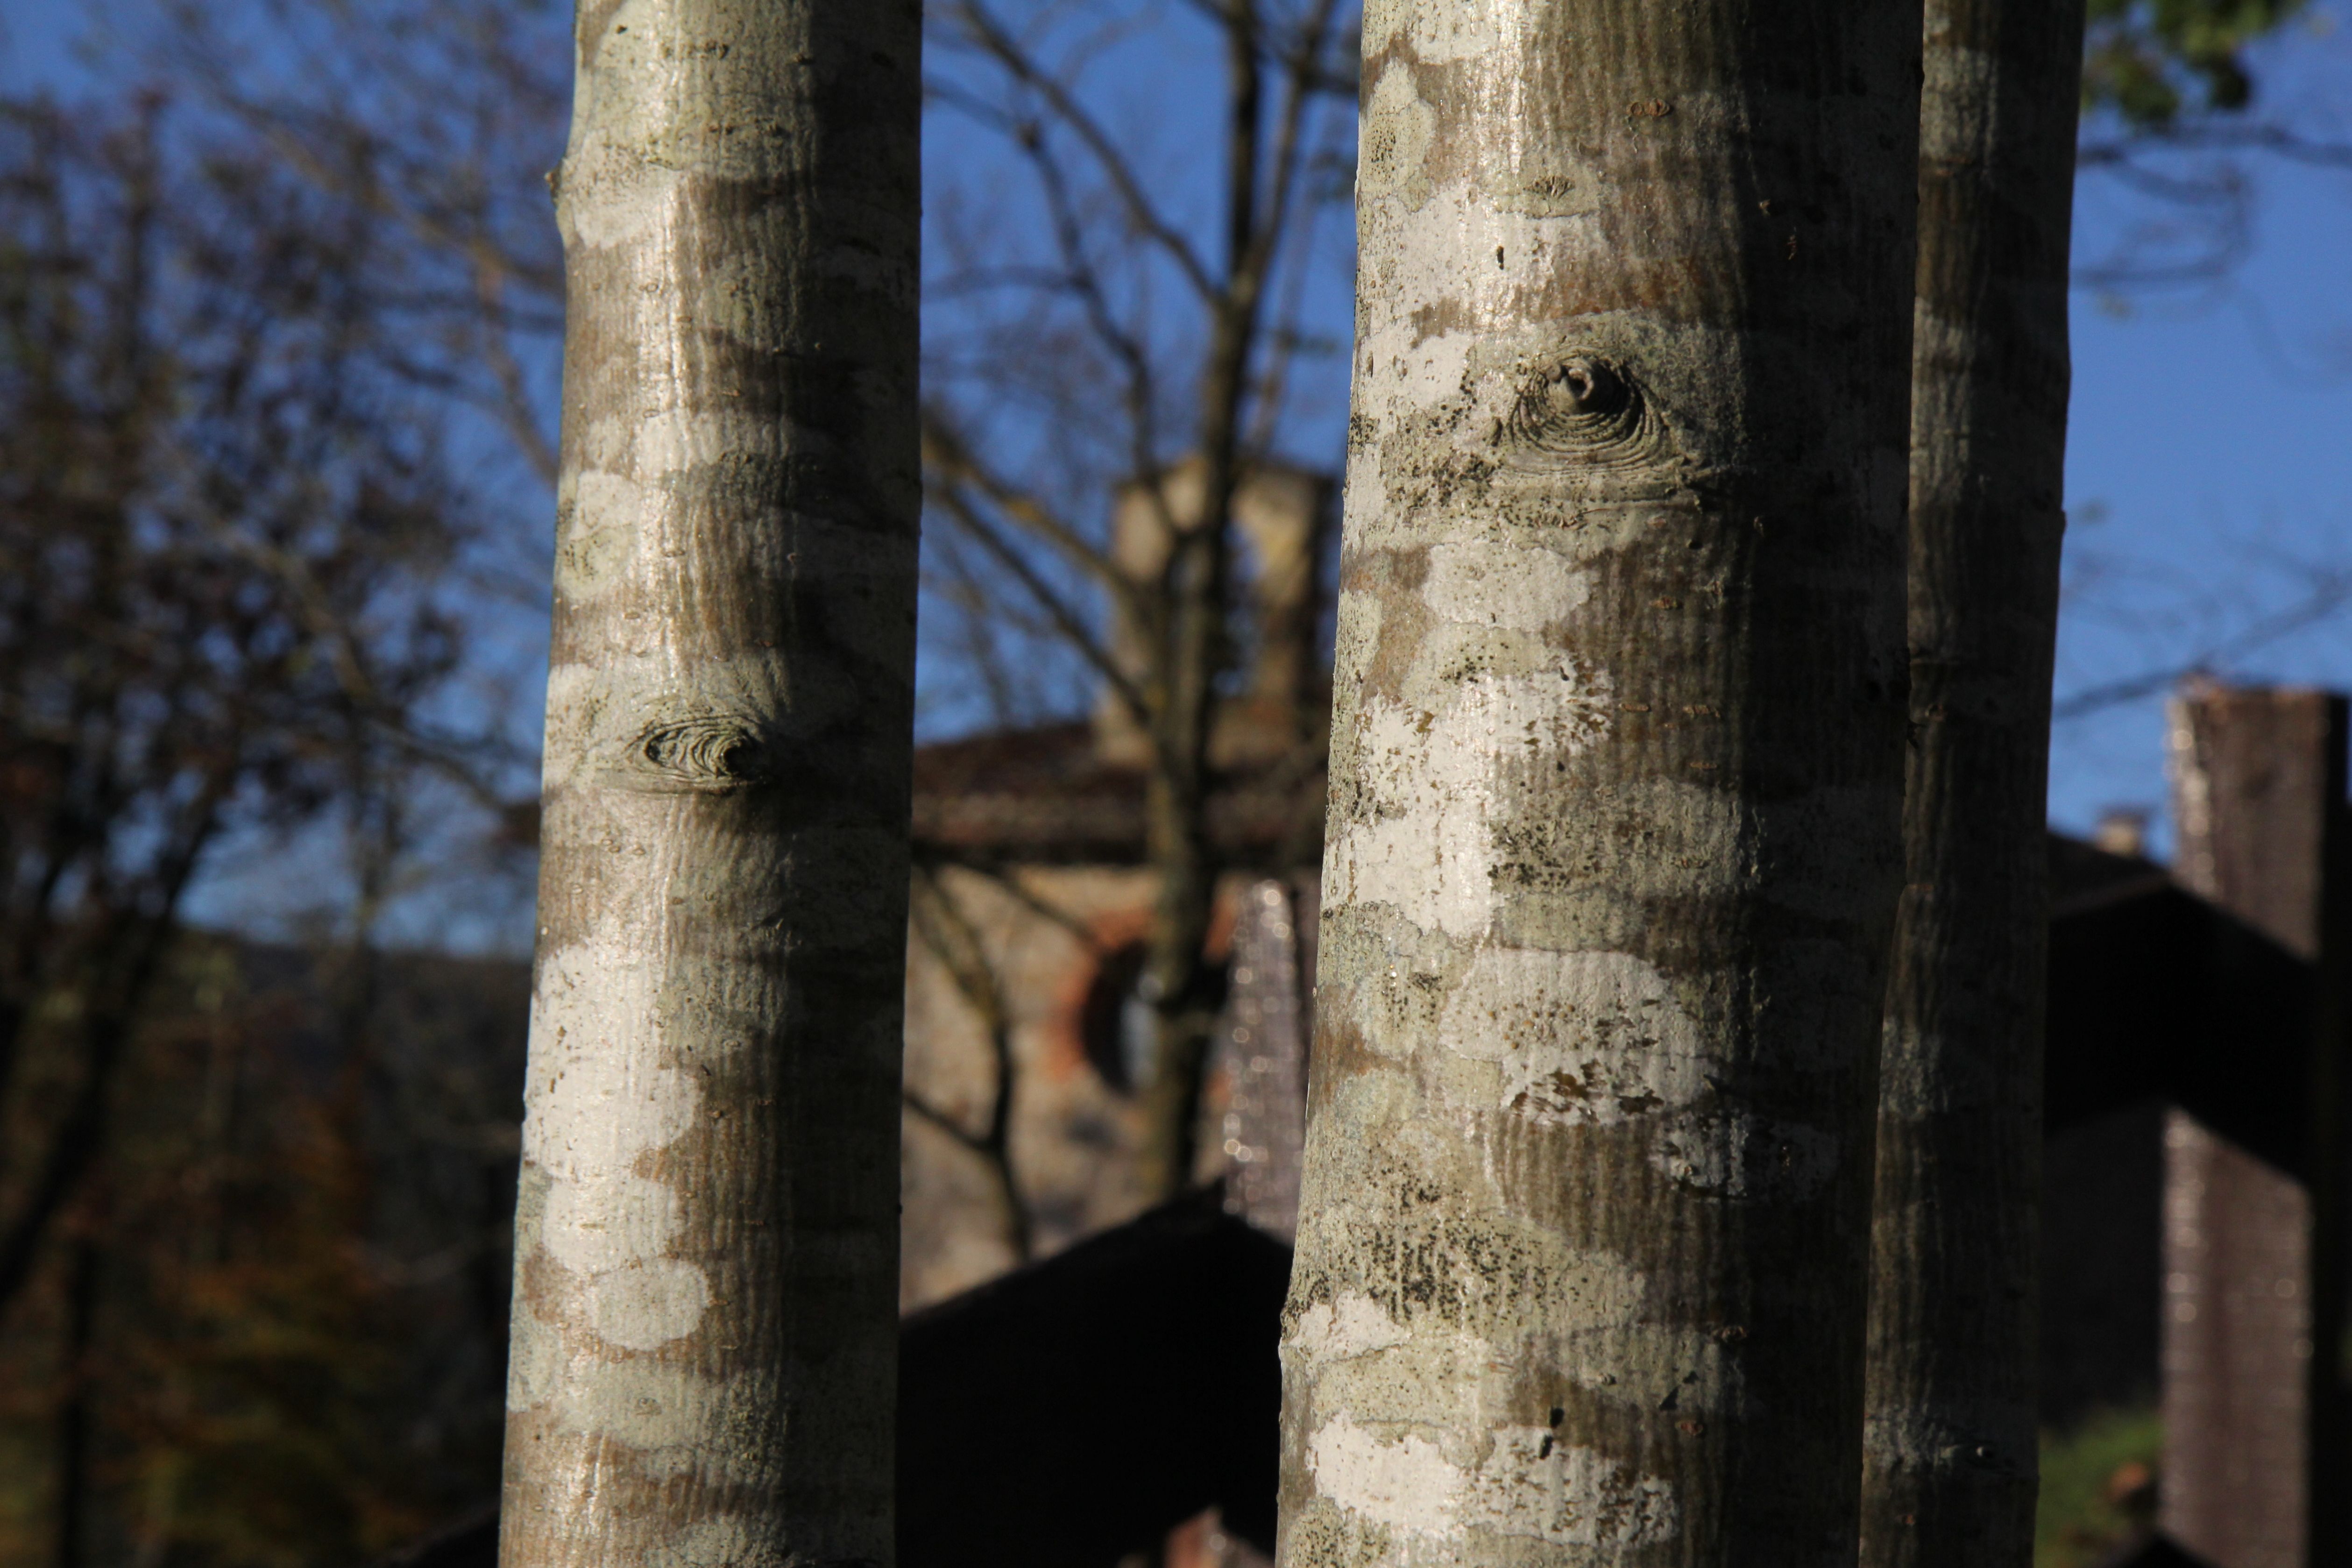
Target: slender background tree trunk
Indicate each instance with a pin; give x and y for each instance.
(1950, 1455)
(1615, 827)
(1199, 615)
(705, 1244)
(74, 1419)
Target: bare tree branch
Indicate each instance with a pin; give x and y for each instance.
(1066, 618)
(948, 457)
(983, 28)
(949, 934)
(2329, 595)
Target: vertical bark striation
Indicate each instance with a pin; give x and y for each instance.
(1949, 1469)
(706, 1243)
(1614, 840)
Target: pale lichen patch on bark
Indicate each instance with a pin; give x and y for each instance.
(603, 1222)
(1528, 1484)
(535, 1360)
(1433, 1378)
(1406, 1483)
(644, 1306)
(1458, 32)
(1577, 1037)
(1338, 1329)
(1431, 780)
(678, 1422)
(639, 196)
(603, 446)
(1482, 583)
(686, 440)
(597, 1101)
(1423, 1425)
(598, 538)
(660, 1413)
(1451, 1271)
(1399, 130)
(599, 1094)
(1457, 301)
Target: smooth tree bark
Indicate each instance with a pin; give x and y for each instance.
(1949, 1465)
(1616, 787)
(705, 1314)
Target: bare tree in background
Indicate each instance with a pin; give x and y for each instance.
(2169, 100)
(2179, 127)
(437, 121)
(939, 921)
(222, 546)
(1077, 376)
(227, 530)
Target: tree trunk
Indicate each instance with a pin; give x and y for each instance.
(703, 1363)
(74, 1417)
(1616, 786)
(1949, 1468)
(1200, 611)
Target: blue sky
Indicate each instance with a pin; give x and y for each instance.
(2209, 471)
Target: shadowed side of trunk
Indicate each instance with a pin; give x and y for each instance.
(1949, 1456)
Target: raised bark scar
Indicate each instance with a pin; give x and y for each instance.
(700, 753)
(1581, 413)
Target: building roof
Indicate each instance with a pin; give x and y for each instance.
(1048, 795)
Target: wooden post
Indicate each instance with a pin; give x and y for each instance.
(2251, 1261)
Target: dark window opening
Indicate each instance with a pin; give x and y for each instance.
(1116, 1024)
